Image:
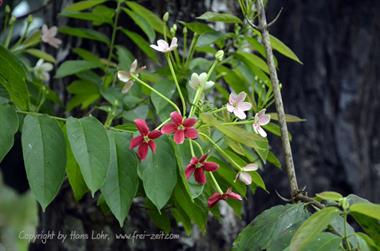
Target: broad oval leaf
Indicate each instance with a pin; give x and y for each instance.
(273, 227)
(325, 242)
(312, 227)
(71, 67)
(369, 209)
(329, 195)
(219, 17)
(89, 142)
(8, 128)
(13, 78)
(159, 173)
(44, 150)
(121, 184)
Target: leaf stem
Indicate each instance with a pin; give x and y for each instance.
(221, 151)
(41, 114)
(162, 124)
(177, 84)
(239, 122)
(191, 49)
(157, 92)
(215, 183)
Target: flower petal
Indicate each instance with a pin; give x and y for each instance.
(189, 122)
(136, 141)
(241, 97)
(133, 66)
(169, 128)
(179, 136)
(174, 43)
(155, 47)
(261, 131)
(191, 133)
(233, 98)
(200, 176)
(230, 108)
(245, 178)
(208, 85)
(232, 195)
(152, 146)
(163, 45)
(142, 126)
(210, 166)
(262, 118)
(189, 170)
(203, 158)
(214, 199)
(251, 167)
(154, 134)
(142, 152)
(244, 106)
(239, 113)
(194, 160)
(123, 76)
(176, 118)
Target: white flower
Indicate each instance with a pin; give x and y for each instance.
(261, 119)
(48, 36)
(197, 81)
(41, 70)
(163, 46)
(126, 76)
(244, 175)
(237, 105)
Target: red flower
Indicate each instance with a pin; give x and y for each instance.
(145, 139)
(216, 197)
(182, 128)
(198, 167)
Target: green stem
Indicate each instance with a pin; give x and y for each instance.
(191, 49)
(109, 119)
(215, 183)
(345, 231)
(195, 101)
(157, 92)
(9, 35)
(162, 124)
(177, 84)
(211, 69)
(113, 36)
(40, 114)
(199, 147)
(219, 110)
(221, 151)
(191, 148)
(23, 34)
(239, 122)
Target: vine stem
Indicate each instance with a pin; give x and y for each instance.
(177, 84)
(157, 92)
(278, 101)
(215, 183)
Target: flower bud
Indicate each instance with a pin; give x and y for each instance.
(166, 17)
(219, 55)
(173, 29)
(30, 19)
(12, 20)
(185, 30)
(7, 9)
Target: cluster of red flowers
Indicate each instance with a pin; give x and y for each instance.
(181, 128)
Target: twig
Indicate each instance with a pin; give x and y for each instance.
(278, 100)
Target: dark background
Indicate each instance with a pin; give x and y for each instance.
(336, 90)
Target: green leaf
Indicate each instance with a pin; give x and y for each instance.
(41, 54)
(219, 17)
(369, 209)
(289, 118)
(121, 184)
(8, 128)
(325, 242)
(99, 15)
(85, 33)
(252, 59)
(125, 57)
(71, 67)
(370, 225)
(329, 195)
(312, 227)
(208, 38)
(163, 86)
(283, 49)
(366, 243)
(13, 78)
(149, 16)
(159, 173)
(141, 43)
(83, 5)
(273, 227)
(90, 145)
(44, 151)
(272, 158)
(199, 28)
(143, 24)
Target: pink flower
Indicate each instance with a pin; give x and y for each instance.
(237, 105)
(48, 36)
(163, 46)
(198, 167)
(181, 128)
(145, 139)
(216, 197)
(244, 175)
(261, 119)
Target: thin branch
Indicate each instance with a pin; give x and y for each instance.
(278, 100)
